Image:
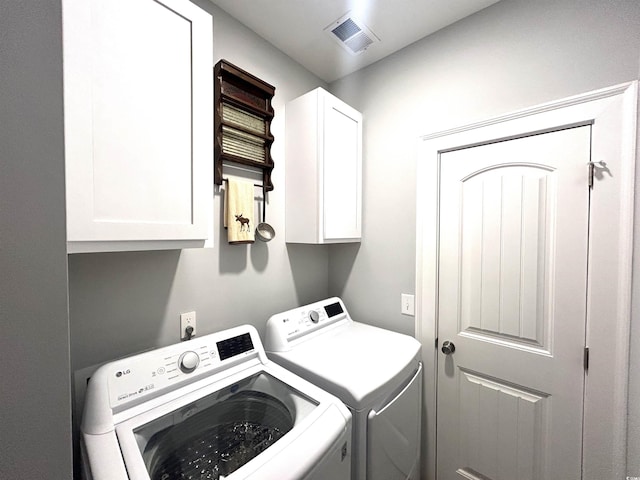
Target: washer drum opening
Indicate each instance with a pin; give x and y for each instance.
(215, 442)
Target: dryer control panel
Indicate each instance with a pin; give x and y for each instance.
(287, 328)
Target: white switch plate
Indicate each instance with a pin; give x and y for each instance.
(407, 304)
(186, 320)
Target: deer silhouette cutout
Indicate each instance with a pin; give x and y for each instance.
(244, 222)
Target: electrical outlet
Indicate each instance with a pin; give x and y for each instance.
(407, 304)
(187, 320)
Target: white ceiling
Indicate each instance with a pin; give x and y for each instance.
(297, 27)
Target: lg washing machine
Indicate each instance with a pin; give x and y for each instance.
(211, 408)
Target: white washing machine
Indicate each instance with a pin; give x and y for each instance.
(375, 372)
(211, 408)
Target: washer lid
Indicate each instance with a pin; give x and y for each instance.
(219, 433)
(361, 364)
(251, 403)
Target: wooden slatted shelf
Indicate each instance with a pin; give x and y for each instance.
(242, 121)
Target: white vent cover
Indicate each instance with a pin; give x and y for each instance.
(351, 34)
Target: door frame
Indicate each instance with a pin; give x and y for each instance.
(612, 112)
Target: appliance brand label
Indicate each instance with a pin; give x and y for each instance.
(135, 393)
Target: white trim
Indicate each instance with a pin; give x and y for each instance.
(545, 107)
(612, 111)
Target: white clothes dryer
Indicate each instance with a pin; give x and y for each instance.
(377, 373)
(211, 408)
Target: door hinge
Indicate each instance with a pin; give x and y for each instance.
(592, 172)
(586, 359)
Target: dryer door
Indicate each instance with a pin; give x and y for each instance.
(393, 445)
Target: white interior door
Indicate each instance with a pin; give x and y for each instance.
(512, 299)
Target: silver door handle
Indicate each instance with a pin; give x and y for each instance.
(448, 348)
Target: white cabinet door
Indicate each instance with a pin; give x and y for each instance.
(342, 171)
(323, 170)
(138, 124)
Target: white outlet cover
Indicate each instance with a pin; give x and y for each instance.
(186, 320)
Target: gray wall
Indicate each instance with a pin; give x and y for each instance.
(35, 398)
(121, 303)
(512, 55)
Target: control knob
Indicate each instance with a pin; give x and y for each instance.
(314, 316)
(188, 361)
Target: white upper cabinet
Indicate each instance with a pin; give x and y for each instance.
(323, 170)
(138, 89)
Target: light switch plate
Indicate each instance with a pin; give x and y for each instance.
(407, 304)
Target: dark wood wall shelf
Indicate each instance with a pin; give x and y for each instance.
(242, 121)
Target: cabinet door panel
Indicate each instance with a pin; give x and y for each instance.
(342, 171)
(141, 84)
(138, 121)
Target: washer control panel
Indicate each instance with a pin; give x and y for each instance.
(140, 375)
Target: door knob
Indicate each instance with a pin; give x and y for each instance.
(448, 348)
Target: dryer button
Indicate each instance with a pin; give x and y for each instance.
(188, 361)
(314, 316)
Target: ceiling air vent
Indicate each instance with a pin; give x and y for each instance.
(351, 34)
